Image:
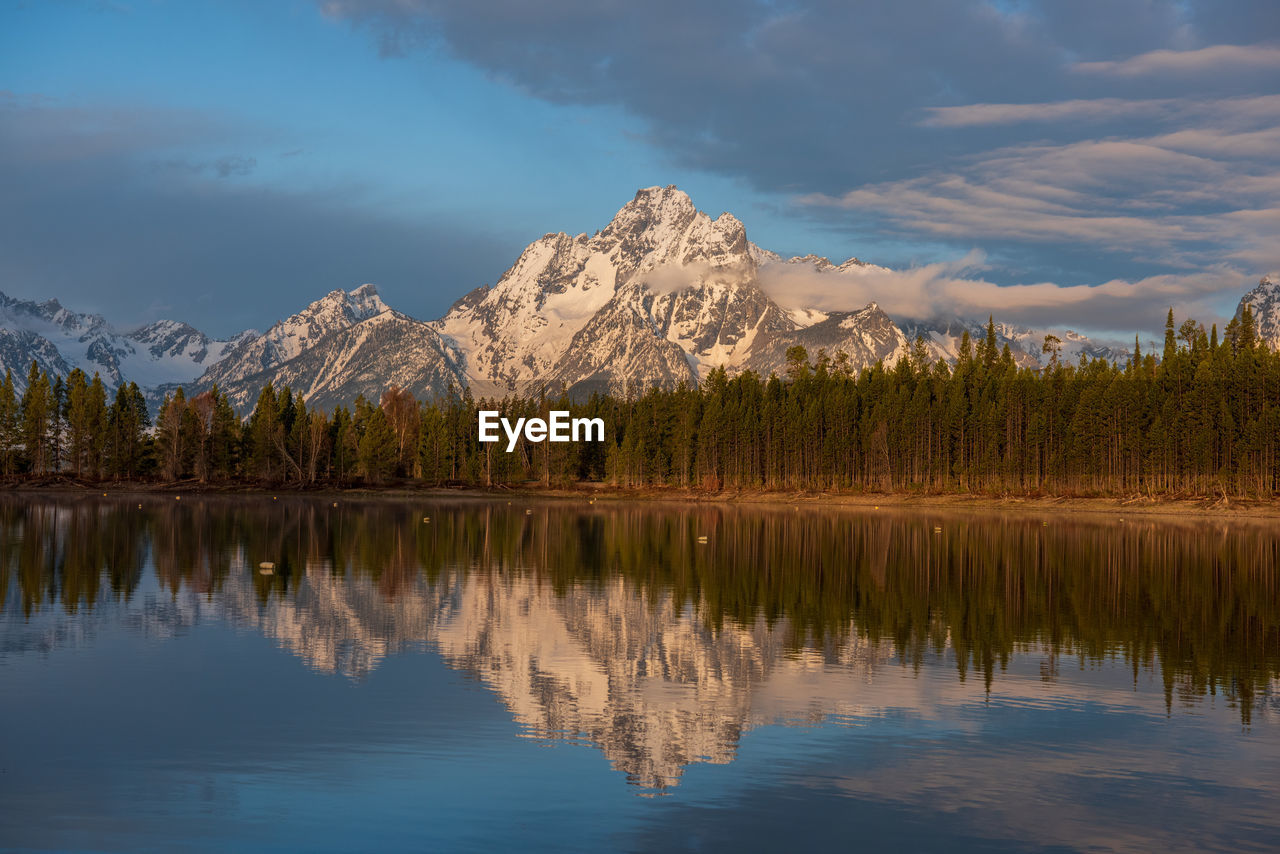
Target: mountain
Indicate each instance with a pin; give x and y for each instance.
(364, 358)
(858, 338)
(661, 296)
(942, 337)
(341, 346)
(335, 312)
(1264, 301)
(61, 340)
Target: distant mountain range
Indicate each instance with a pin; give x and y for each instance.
(662, 295)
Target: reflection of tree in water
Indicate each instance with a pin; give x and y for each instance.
(1198, 600)
(66, 552)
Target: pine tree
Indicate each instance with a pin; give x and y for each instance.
(377, 447)
(36, 415)
(10, 436)
(127, 424)
(172, 436)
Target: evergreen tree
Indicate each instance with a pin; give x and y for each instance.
(377, 446)
(10, 435)
(37, 416)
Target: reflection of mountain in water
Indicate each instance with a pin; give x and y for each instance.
(659, 635)
(641, 677)
(637, 674)
(335, 625)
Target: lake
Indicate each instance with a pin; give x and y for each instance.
(330, 674)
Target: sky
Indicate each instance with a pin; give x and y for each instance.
(1085, 164)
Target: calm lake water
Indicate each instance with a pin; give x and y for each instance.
(470, 675)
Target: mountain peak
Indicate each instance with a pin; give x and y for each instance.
(1264, 301)
(355, 305)
(653, 208)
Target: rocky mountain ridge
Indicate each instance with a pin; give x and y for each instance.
(661, 296)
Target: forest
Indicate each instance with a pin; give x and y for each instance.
(1201, 418)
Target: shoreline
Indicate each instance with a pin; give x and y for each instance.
(1203, 507)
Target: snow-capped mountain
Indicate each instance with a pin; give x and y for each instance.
(1264, 301)
(661, 296)
(336, 311)
(364, 358)
(851, 339)
(942, 338)
(60, 340)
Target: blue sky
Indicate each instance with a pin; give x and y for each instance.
(1085, 164)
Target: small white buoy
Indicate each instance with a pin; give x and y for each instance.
(139, 506)
(335, 504)
(937, 529)
(177, 498)
(265, 571)
(702, 539)
(267, 565)
(426, 518)
(528, 512)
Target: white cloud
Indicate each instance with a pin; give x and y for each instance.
(1222, 57)
(956, 288)
(1195, 197)
(1219, 111)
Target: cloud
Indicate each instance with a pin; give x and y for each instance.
(974, 115)
(670, 278)
(108, 207)
(1192, 198)
(1215, 58)
(813, 95)
(1074, 142)
(956, 288)
(1217, 110)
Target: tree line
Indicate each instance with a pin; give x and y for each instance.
(1203, 418)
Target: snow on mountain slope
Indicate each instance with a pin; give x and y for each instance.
(19, 348)
(852, 340)
(364, 358)
(582, 309)
(1264, 301)
(163, 352)
(662, 295)
(620, 351)
(288, 338)
(942, 338)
